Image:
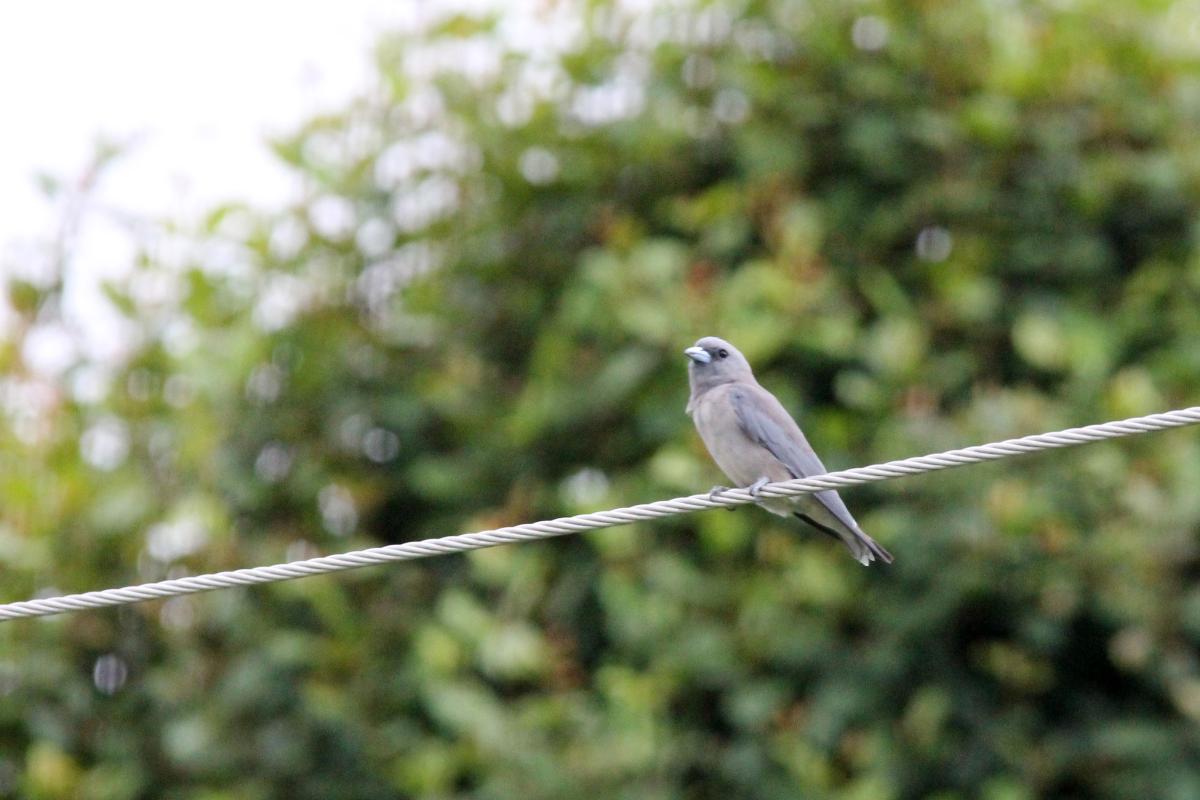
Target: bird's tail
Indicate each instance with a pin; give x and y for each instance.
(872, 549)
(861, 546)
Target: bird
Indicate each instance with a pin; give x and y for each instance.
(755, 441)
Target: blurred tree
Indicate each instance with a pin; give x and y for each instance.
(927, 225)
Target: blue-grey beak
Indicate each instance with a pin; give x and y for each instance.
(698, 354)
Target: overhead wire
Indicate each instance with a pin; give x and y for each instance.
(545, 529)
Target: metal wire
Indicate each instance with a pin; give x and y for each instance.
(602, 519)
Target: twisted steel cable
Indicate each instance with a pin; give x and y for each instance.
(601, 519)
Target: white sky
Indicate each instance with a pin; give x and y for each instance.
(197, 86)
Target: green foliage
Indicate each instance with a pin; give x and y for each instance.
(927, 225)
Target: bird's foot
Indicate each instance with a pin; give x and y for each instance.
(757, 486)
(716, 491)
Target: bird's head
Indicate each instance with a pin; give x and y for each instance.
(713, 361)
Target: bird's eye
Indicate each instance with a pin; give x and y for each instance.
(723, 353)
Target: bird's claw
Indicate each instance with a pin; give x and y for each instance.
(757, 486)
(715, 491)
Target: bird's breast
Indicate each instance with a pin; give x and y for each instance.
(743, 461)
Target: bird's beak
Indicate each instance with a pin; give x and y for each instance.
(698, 354)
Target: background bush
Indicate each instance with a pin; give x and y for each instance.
(927, 225)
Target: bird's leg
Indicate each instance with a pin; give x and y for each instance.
(716, 490)
(756, 487)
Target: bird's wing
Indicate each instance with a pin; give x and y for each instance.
(765, 421)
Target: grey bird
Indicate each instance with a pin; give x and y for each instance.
(755, 441)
